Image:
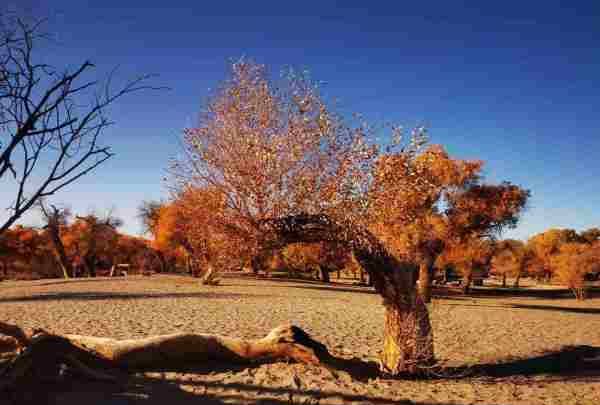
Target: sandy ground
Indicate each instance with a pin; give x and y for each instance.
(518, 347)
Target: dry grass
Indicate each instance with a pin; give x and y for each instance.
(502, 337)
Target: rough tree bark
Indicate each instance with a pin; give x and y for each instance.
(408, 336)
(44, 353)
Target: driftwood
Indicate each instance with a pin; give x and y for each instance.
(40, 355)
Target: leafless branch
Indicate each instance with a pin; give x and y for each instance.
(47, 130)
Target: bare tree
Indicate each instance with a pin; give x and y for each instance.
(50, 135)
(55, 221)
(148, 214)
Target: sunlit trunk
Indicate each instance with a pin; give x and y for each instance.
(408, 337)
(64, 271)
(425, 281)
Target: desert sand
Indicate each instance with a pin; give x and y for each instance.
(516, 350)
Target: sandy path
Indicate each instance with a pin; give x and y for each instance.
(349, 320)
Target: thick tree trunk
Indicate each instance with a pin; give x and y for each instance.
(408, 344)
(425, 281)
(324, 273)
(503, 280)
(408, 337)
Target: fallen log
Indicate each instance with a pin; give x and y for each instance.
(46, 356)
(283, 342)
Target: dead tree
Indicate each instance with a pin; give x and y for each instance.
(49, 134)
(55, 219)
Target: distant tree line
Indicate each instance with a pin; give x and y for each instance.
(563, 256)
(72, 246)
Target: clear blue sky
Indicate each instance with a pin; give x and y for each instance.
(516, 84)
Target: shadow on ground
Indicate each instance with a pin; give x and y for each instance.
(159, 392)
(572, 363)
(496, 292)
(574, 310)
(102, 295)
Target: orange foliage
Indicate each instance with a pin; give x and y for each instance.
(90, 243)
(324, 257)
(570, 265)
(510, 259)
(268, 150)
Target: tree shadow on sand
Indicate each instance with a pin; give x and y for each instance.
(103, 295)
(572, 363)
(574, 310)
(499, 292)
